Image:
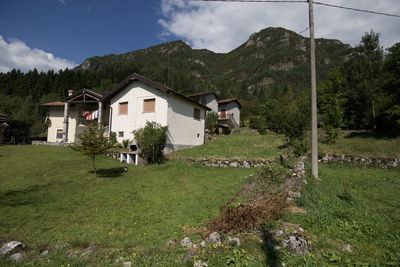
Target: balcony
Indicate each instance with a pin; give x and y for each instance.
(226, 119)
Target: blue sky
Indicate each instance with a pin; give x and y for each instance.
(55, 34)
(77, 29)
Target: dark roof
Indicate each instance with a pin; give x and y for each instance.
(137, 77)
(229, 100)
(53, 104)
(3, 117)
(197, 96)
(81, 92)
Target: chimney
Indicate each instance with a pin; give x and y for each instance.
(70, 92)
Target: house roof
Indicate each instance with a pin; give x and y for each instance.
(53, 104)
(137, 77)
(95, 97)
(197, 96)
(3, 117)
(229, 100)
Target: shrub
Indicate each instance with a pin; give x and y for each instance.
(125, 143)
(151, 140)
(113, 138)
(212, 122)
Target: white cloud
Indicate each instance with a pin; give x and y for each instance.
(223, 26)
(16, 54)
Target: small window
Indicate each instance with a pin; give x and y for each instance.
(149, 105)
(196, 113)
(123, 108)
(59, 134)
(120, 134)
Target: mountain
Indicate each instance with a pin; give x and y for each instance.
(271, 58)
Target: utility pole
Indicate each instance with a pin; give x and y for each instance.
(314, 126)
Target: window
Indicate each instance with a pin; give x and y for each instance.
(196, 113)
(120, 134)
(59, 134)
(149, 105)
(123, 108)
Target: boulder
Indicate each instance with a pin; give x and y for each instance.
(44, 253)
(203, 244)
(200, 264)
(17, 257)
(127, 264)
(89, 250)
(233, 241)
(10, 247)
(214, 238)
(296, 245)
(186, 242)
(172, 243)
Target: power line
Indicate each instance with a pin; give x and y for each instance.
(252, 1)
(302, 1)
(358, 10)
(303, 31)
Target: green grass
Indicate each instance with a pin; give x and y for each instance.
(364, 146)
(244, 144)
(368, 221)
(48, 197)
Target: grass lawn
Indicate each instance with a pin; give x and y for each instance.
(48, 197)
(244, 144)
(359, 207)
(364, 146)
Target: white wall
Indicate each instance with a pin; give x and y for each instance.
(183, 130)
(56, 116)
(231, 108)
(134, 94)
(211, 102)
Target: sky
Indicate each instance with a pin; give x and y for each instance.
(57, 34)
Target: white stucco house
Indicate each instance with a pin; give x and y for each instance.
(228, 110)
(126, 108)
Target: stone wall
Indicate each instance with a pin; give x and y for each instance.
(361, 160)
(113, 154)
(231, 163)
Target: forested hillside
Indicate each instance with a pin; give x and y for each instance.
(265, 67)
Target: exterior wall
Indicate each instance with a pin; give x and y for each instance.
(231, 108)
(134, 94)
(56, 116)
(210, 101)
(183, 130)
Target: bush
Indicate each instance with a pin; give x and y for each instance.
(151, 140)
(212, 122)
(125, 143)
(113, 138)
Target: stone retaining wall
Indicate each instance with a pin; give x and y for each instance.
(361, 160)
(231, 163)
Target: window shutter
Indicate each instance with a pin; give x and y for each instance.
(149, 105)
(123, 108)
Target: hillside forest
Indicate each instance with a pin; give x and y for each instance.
(358, 87)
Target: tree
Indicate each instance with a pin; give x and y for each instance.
(364, 76)
(151, 140)
(92, 142)
(288, 112)
(331, 101)
(212, 122)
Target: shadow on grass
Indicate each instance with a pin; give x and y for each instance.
(271, 254)
(32, 195)
(111, 172)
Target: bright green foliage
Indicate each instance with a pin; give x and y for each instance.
(288, 112)
(92, 142)
(354, 206)
(125, 143)
(212, 122)
(151, 140)
(244, 144)
(331, 102)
